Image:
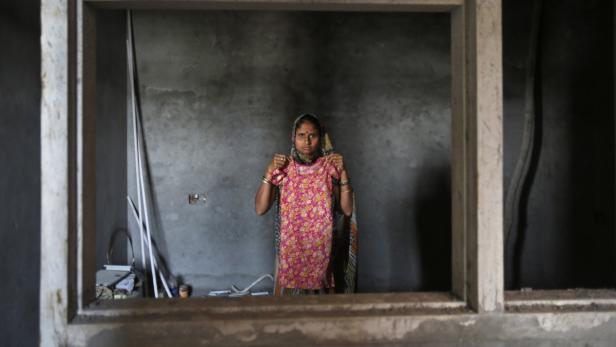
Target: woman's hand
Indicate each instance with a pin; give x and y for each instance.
(337, 160)
(265, 196)
(278, 161)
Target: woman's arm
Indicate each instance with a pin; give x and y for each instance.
(346, 194)
(265, 194)
(264, 198)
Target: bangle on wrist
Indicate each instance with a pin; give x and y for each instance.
(266, 180)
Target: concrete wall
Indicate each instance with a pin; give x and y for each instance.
(20, 153)
(569, 236)
(19, 172)
(210, 86)
(219, 93)
(110, 136)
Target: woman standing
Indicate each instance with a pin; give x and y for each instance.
(308, 187)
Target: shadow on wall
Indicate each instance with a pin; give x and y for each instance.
(433, 228)
(565, 237)
(421, 256)
(590, 205)
(20, 184)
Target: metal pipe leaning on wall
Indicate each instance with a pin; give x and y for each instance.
(153, 260)
(139, 221)
(139, 159)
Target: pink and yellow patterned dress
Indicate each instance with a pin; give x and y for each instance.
(306, 224)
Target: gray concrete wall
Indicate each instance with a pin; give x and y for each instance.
(569, 236)
(219, 92)
(110, 136)
(19, 172)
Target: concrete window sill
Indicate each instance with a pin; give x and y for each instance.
(567, 300)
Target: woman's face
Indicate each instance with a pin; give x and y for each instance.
(307, 139)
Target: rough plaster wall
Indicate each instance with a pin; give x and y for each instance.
(219, 92)
(19, 172)
(569, 240)
(110, 140)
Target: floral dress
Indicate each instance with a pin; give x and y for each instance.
(306, 224)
